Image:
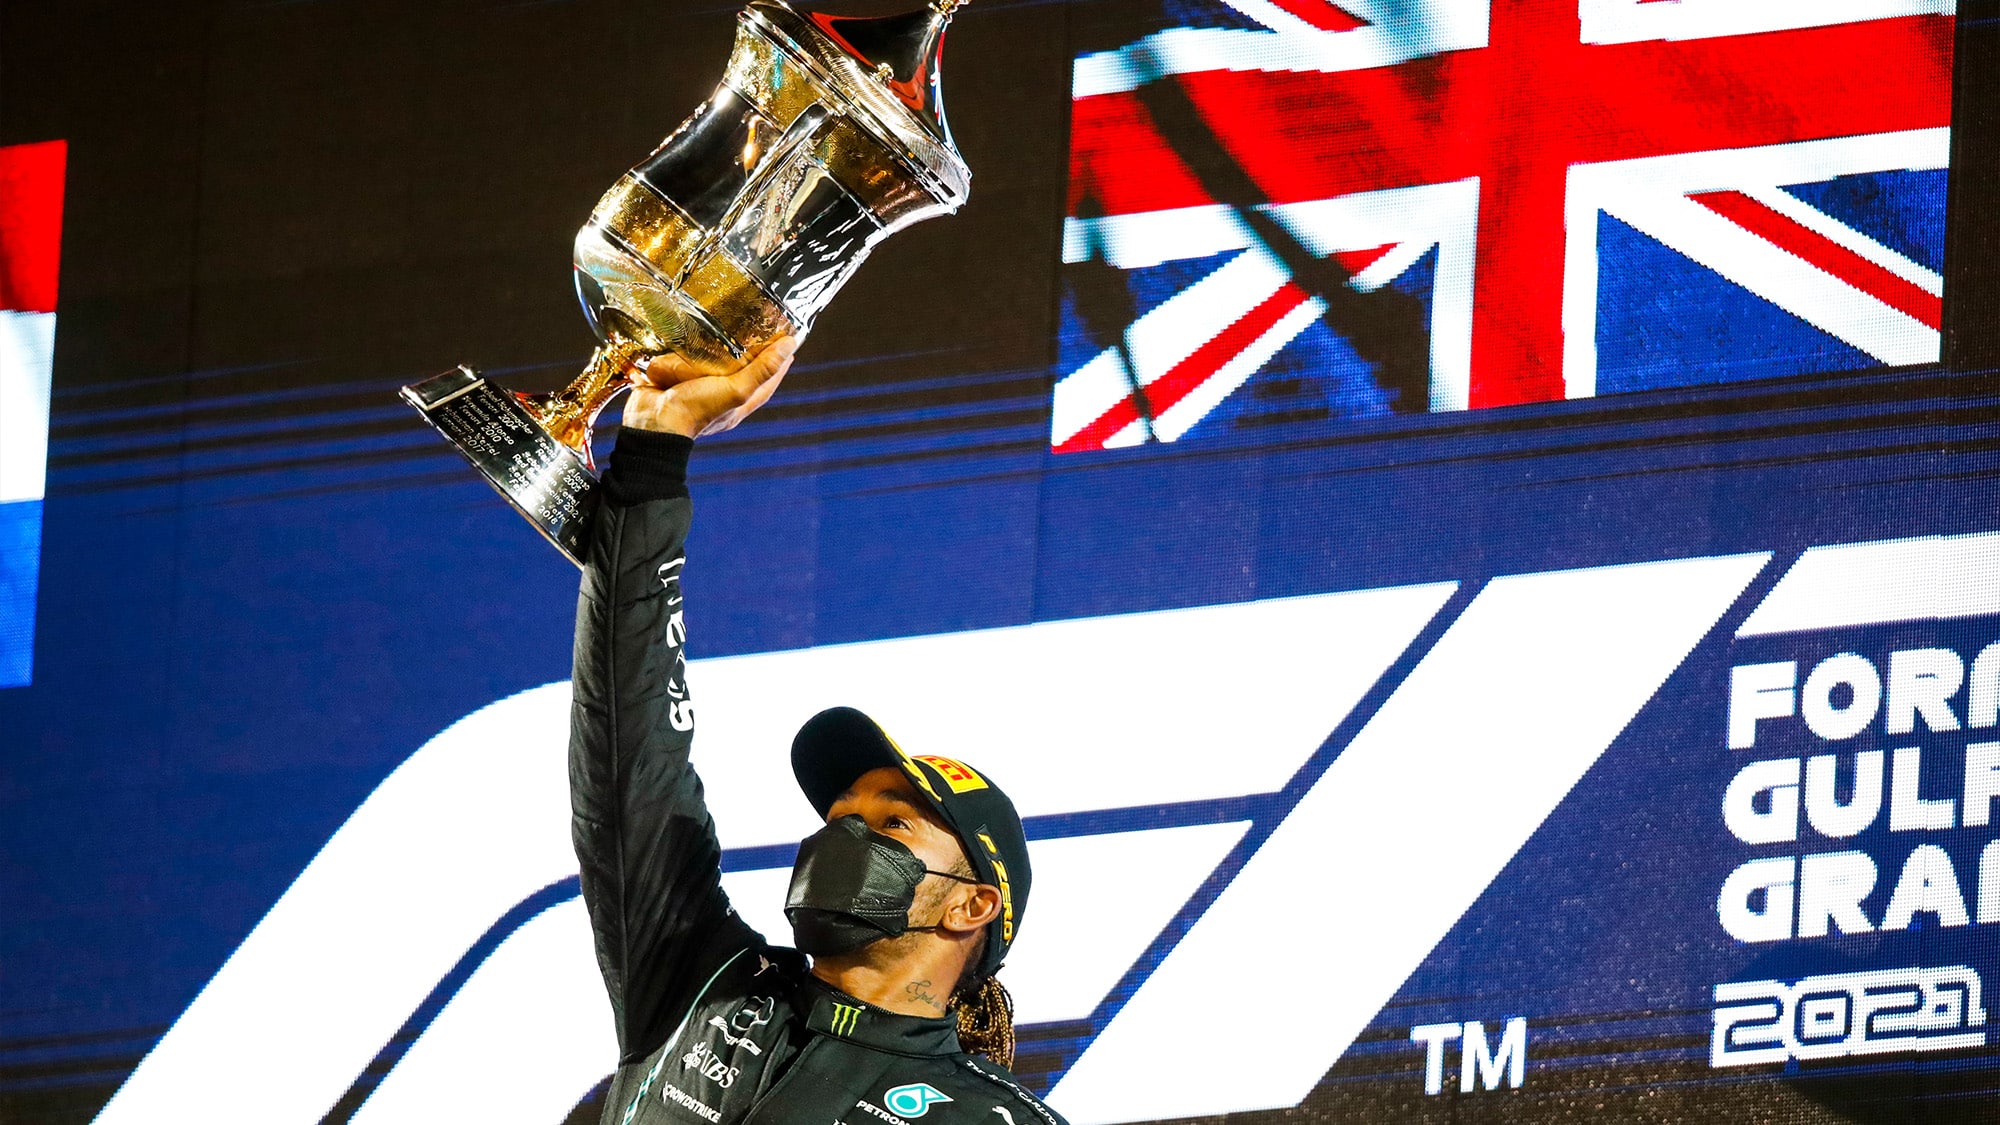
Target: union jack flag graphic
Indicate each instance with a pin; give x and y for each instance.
(1284, 209)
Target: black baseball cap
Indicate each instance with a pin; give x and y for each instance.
(840, 744)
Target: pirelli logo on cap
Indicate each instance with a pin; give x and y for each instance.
(910, 767)
(920, 777)
(961, 777)
(1006, 890)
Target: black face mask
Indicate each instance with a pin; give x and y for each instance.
(853, 885)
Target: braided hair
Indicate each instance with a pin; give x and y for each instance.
(984, 1009)
(985, 1020)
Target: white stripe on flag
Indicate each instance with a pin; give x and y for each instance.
(1169, 333)
(1396, 33)
(1181, 417)
(1636, 21)
(1839, 233)
(1656, 187)
(27, 350)
(1807, 292)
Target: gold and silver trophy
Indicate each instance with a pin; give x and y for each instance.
(826, 136)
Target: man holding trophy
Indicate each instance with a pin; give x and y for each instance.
(907, 900)
(700, 270)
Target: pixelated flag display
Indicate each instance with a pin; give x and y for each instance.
(1286, 211)
(31, 193)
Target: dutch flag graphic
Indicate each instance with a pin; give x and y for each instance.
(31, 194)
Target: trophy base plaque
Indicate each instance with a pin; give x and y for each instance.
(544, 479)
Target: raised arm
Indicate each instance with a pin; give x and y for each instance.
(647, 850)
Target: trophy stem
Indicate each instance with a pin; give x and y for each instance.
(569, 414)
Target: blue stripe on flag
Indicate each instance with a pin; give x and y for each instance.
(1664, 321)
(1315, 379)
(20, 571)
(1100, 302)
(1205, 13)
(1902, 210)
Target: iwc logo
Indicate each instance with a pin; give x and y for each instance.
(915, 1099)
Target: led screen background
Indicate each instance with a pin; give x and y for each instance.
(1383, 723)
(30, 244)
(1326, 199)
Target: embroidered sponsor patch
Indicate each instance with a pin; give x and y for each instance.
(915, 1099)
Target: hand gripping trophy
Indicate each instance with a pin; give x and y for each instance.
(826, 135)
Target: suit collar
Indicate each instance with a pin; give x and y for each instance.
(837, 1015)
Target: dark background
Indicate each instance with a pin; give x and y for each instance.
(362, 190)
(276, 213)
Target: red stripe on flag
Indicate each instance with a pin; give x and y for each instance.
(1191, 372)
(1354, 261)
(1322, 15)
(1436, 119)
(1517, 115)
(31, 200)
(1825, 254)
(1181, 379)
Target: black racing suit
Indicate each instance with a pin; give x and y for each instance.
(714, 1024)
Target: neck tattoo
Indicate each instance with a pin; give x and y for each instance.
(920, 991)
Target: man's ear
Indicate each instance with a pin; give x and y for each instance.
(975, 910)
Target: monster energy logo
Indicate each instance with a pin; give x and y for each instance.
(845, 1016)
